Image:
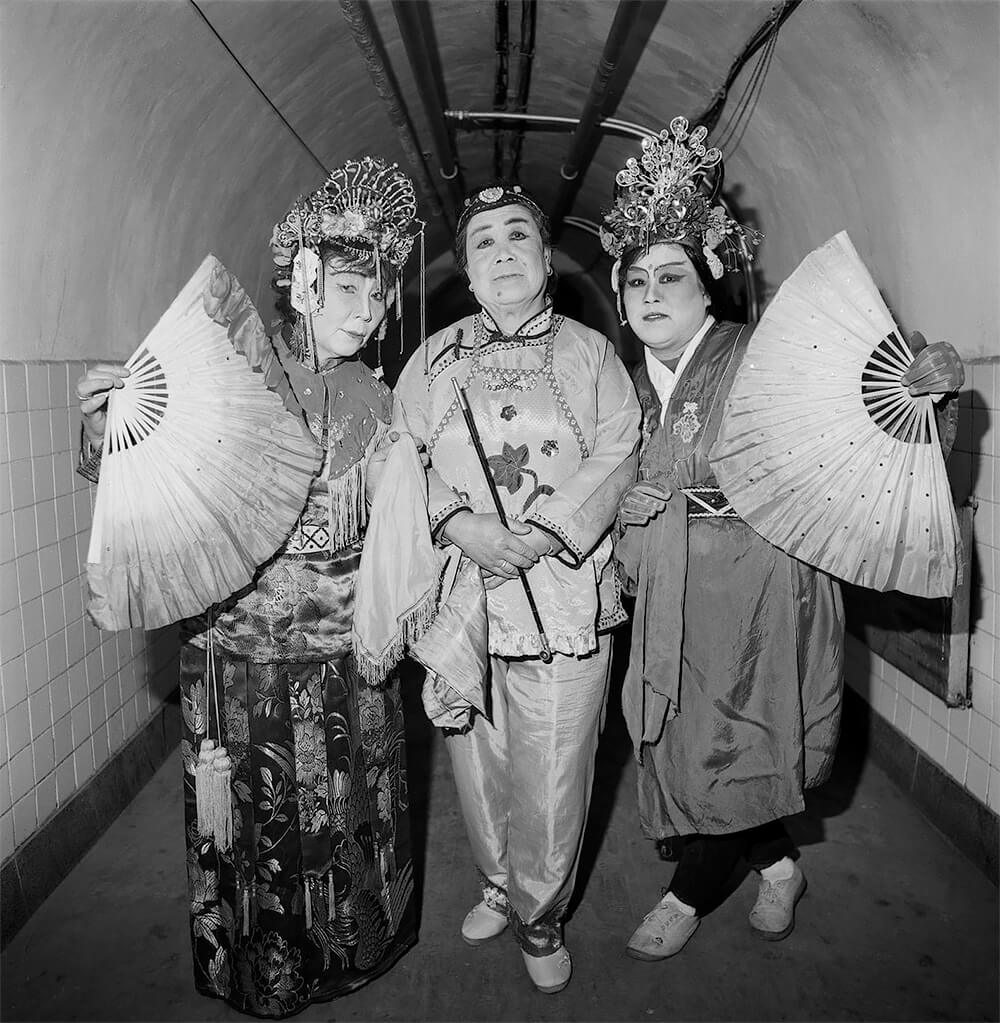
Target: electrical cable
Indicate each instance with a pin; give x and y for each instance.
(253, 81)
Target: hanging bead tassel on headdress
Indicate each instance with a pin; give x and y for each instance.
(213, 775)
(423, 301)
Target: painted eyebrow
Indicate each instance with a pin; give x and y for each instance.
(506, 223)
(656, 270)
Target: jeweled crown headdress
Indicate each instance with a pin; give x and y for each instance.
(367, 205)
(662, 196)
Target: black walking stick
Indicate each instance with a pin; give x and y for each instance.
(545, 653)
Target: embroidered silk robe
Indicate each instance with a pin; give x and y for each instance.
(734, 688)
(559, 423)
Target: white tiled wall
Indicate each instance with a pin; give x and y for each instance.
(71, 695)
(965, 742)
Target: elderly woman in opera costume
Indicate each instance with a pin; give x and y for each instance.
(740, 711)
(313, 897)
(559, 423)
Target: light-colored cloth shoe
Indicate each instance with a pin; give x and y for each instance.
(551, 973)
(481, 924)
(773, 914)
(664, 931)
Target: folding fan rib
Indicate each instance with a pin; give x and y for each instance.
(205, 472)
(822, 450)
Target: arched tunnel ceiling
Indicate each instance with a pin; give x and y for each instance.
(134, 142)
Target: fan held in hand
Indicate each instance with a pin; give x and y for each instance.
(822, 449)
(204, 471)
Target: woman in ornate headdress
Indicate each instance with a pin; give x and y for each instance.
(313, 896)
(559, 423)
(734, 686)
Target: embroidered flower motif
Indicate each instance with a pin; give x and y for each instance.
(549, 448)
(508, 412)
(271, 972)
(688, 424)
(509, 468)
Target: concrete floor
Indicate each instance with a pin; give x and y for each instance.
(896, 924)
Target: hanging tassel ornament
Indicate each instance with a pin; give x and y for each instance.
(379, 338)
(214, 775)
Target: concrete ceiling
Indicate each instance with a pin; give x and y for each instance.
(134, 140)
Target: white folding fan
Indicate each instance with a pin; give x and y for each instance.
(204, 472)
(823, 451)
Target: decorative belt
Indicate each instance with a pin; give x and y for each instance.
(309, 538)
(708, 503)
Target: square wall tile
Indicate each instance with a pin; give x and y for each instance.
(18, 436)
(25, 818)
(32, 623)
(36, 667)
(7, 550)
(22, 774)
(58, 385)
(22, 484)
(37, 380)
(977, 777)
(62, 738)
(14, 682)
(956, 759)
(18, 725)
(40, 432)
(15, 387)
(920, 729)
(6, 834)
(993, 796)
(65, 781)
(45, 797)
(83, 763)
(59, 696)
(980, 733)
(80, 720)
(40, 713)
(45, 756)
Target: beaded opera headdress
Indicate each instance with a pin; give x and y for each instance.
(367, 207)
(662, 196)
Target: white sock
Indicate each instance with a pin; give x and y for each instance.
(682, 906)
(780, 871)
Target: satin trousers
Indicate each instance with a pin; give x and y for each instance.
(524, 775)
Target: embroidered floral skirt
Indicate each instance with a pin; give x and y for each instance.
(315, 896)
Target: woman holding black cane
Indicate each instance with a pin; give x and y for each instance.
(558, 423)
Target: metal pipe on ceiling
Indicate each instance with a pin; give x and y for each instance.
(417, 32)
(358, 15)
(633, 24)
(526, 57)
(545, 122)
(501, 79)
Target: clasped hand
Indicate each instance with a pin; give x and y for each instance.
(642, 501)
(498, 550)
